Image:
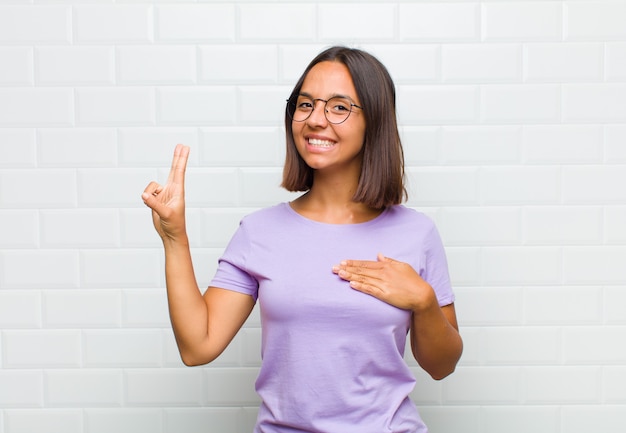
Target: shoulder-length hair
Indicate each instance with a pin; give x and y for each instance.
(381, 182)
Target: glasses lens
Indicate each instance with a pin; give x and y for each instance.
(338, 109)
(300, 108)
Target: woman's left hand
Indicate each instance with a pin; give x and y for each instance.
(389, 280)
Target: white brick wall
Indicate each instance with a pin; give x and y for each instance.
(513, 116)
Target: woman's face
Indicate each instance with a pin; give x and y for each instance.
(324, 145)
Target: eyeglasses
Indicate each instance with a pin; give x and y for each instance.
(336, 109)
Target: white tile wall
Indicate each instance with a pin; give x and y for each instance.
(514, 126)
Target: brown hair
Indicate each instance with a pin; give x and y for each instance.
(381, 182)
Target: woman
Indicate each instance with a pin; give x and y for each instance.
(342, 273)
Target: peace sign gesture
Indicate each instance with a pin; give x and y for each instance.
(168, 201)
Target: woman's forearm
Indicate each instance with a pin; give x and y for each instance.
(435, 340)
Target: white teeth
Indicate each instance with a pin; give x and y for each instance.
(321, 143)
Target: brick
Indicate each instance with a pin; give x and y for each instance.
(19, 229)
(123, 420)
(520, 419)
(239, 64)
(613, 384)
(36, 107)
(17, 148)
(195, 22)
(117, 106)
(81, 308)
(231, 386)
(17, 66)
(490, 63)
(83, 388)
(172, 387)
(593, 184)
(521, 21)
(452, 185)
(37, 269)
(118, 23)
(202, 187)
(562, 144)
(35, 24)
(75, 65)
(577, 305)
(551, 225)
(426, 391)
(616, 61)
(261, 187)
(594, 264)
(41, 349)
(242, 146)
(519, 185)
(262, 106)
(595, 20)
(219, 225)
(137, 230)
(615, 136)
(276, 22)
(112, 187)
(87, 228)
(19, 309)
(157, 65)
(145, 308)
(192, 420)
(464, 265)
(122, 348)
(584, 418)
(521, 346)
(438, 21)
(421, 145)
(464, 418)
(119, 268)
(344, 21)
(588, 103)
(558, 62)
(614, 228)
(435, 105)
(197, 105)
(49, 420)
(481, 226)
(409, 63)
(489, 306)
(77, 147)
(21, 388)
(561, 385)
(589, 345)
(481, 144)
(614, 298)
(23, 188)
(472, 385)
(251, 347)
(515, 265)
(525, 103)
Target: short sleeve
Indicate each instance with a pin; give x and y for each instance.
(231, 271)
(436, 268)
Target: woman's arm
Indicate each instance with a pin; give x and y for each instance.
(203, 325)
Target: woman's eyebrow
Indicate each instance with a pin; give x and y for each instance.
(334, 95)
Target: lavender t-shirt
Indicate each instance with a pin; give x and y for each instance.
(332, 356)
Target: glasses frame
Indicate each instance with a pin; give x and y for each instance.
(292, 102)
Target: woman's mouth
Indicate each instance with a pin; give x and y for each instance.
(316, 142)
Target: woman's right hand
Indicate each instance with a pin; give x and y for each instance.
(168, 201)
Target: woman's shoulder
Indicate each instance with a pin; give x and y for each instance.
(409, 215)
(267, 215)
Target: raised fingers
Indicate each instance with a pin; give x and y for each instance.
(179, 164)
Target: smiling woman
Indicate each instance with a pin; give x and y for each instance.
(343, 273)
